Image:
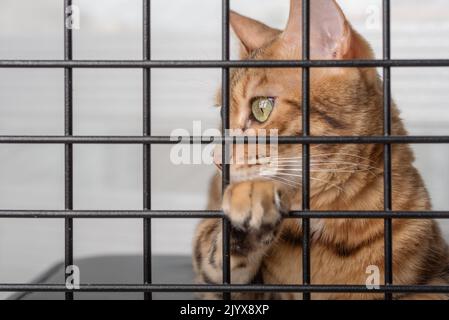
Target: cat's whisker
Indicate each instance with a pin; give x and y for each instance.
(299, 159)
(343, 170)
(345, 166)
(286, 158)
(330, 171)
(329, 154)
(299, 165)
(321, 163)
(328, 183)
(288, 182)
(342, 154)
(279, 175)
(277, 172)
(326, 161)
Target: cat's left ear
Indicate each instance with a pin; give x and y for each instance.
(330, 33)
(251, 33)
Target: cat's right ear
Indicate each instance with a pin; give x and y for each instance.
(251, 33)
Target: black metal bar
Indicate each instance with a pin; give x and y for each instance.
(210, 64)
(68, 131)
(219, 140)
(197, 214)
(147, 255)
(226, 230)
(220, 288)
(305, 147)
(147, 140)
(388, 233)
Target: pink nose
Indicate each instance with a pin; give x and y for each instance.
(217, 156)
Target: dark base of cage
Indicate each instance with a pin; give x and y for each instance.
(119, 270)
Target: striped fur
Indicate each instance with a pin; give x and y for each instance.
(266, 248)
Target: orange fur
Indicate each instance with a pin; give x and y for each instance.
(344, 101)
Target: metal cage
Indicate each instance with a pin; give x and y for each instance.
(146, 140)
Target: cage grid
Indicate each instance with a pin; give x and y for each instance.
(68, 148)
(146, 116)
(146, 140)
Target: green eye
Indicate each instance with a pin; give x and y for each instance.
(262, 108)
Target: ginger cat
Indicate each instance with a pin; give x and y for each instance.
(265, 248)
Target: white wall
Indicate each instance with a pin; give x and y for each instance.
(108, 102)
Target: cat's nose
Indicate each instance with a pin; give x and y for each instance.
(217, 156)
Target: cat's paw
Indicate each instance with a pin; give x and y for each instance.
(255, 209)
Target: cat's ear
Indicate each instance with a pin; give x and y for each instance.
(330, 35)
(251, 33)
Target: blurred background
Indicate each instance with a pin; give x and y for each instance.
(109, 102)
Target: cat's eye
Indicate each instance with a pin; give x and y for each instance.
(262, 107)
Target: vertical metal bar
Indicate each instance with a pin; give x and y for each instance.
(147, 255)
(388, 243)
(225, 146)
(306, 147)
(68, 131)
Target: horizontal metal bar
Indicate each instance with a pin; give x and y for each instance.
(113, 214)
(220, 288)
(218, 140)
(221, 64)
(198, 214)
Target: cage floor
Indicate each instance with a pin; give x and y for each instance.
(118, 270)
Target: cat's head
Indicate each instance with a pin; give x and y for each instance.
(343, 101)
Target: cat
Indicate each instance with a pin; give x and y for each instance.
(265, 248)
